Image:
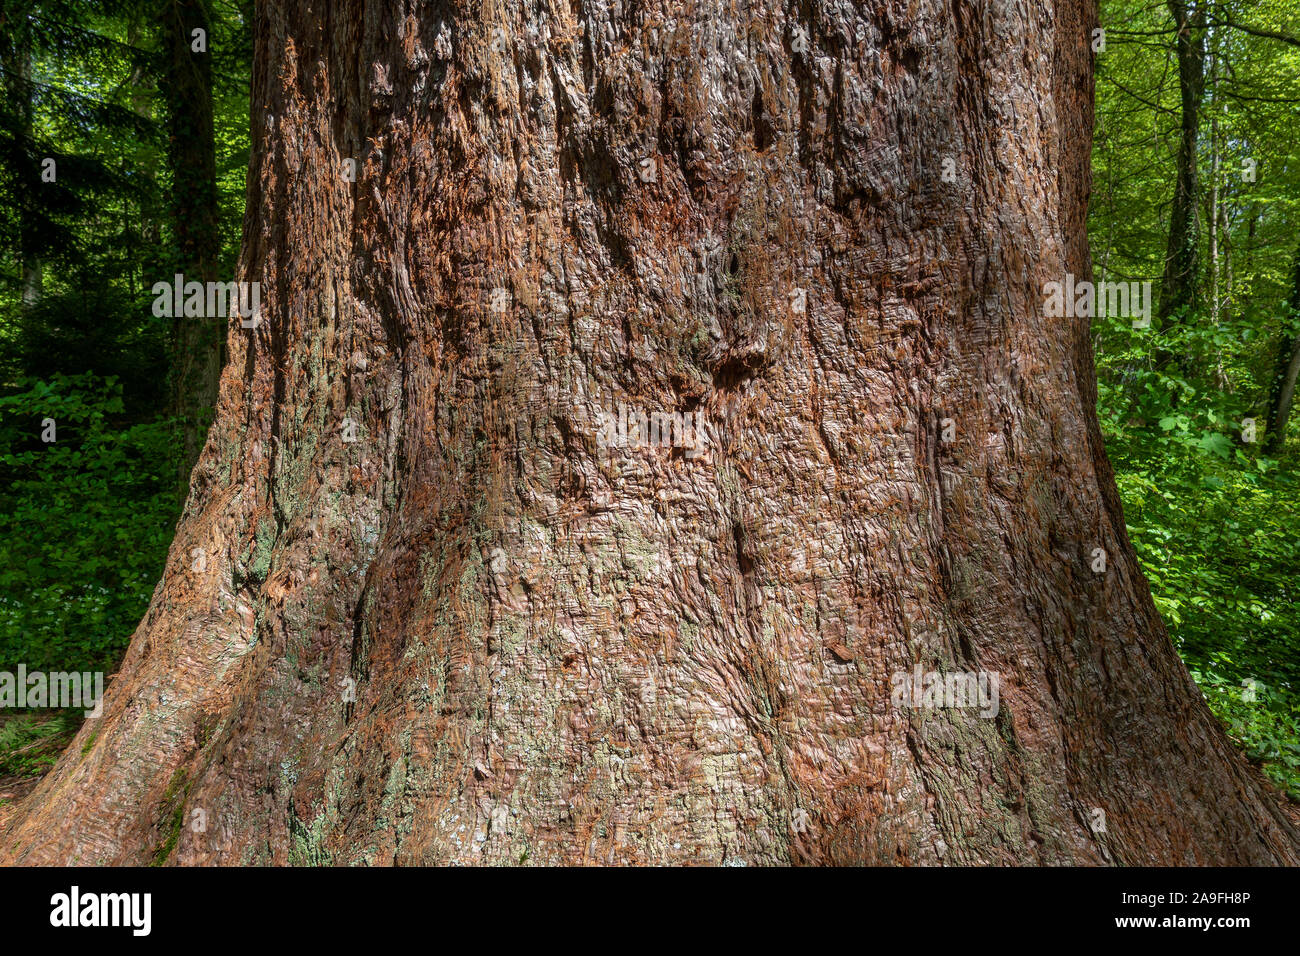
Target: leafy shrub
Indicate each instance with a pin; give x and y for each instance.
(85, 522)
(1214, 522)
(1264, 721)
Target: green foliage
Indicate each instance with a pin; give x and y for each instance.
(1265, 722)
(1213, 521)
(85, 523)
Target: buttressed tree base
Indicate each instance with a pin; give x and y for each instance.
(425, 606)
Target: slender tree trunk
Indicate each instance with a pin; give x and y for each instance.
(33, 274)
(1178, 288)
(16, 58)
(1214, 201)
(197, 350)
(1287, 370)
(33, 282)
(1228, 212)
(149, 215)
(493, 629)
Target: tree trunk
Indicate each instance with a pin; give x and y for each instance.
(197, 354)
(1178, 286)
(16, 75)
(1287, 369)
(567, 645)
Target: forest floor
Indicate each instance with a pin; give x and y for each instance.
(30, 743)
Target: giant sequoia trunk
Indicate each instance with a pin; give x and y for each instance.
(490, 629)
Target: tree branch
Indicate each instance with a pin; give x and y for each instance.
(1258, 31)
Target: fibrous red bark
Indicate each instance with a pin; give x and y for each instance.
(821, 227)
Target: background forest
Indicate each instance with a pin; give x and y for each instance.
(123, 160)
